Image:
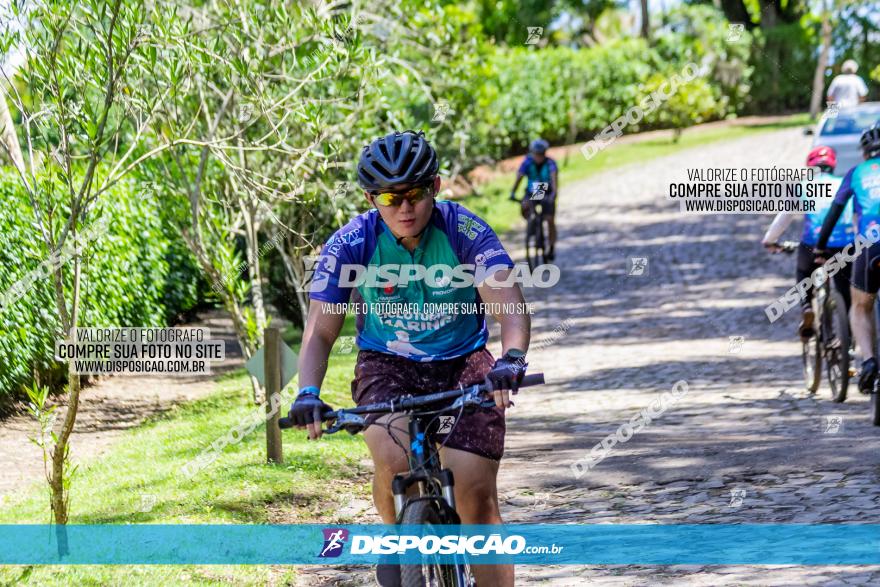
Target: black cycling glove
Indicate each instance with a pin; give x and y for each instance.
(308, 408)
(508, 371)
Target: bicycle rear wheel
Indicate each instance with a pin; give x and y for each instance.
(836, 341)
(812, 358)
(431, 573)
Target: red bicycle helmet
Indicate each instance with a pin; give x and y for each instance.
(822, 157)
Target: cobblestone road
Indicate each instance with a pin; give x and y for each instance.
(746, 443)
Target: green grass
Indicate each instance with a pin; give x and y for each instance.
(502, 215)
(239, 487)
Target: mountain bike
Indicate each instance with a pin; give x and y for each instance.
(435, 503)
(831, 339)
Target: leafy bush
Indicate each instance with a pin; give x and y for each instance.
(784, 60)
(702, 35)
(134, 271)
(564, 94)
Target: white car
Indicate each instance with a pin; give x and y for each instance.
(842, 130)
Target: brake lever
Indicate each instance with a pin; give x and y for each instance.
(474, 397)
(351, 423)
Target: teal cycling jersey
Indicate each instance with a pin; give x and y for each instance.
(538, 176)
(862, 185)
(436, 316)
(844, 232)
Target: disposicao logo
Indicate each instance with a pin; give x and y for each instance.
(334, 540)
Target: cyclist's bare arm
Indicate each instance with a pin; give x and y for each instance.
(776, 229)
(516, 326)
(519, 177)
(554, 184)
(321, 331)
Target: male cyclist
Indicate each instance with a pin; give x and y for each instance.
(541, 187)
(402, 352)
(862, 185)
(826, 160)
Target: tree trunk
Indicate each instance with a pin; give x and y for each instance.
(646, 21)
(769, 15)
(735, 11)
(11, 147)
(294, 271)
(61, 450)
(819, 76)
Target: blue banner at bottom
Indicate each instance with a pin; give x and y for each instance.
(526, 544)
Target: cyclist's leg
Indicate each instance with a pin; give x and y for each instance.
(473, 450)
(377, 378)
(476, 499)
(389, 459)
(842, 280)
(804, 267)
(865, 283)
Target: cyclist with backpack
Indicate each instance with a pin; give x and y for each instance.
(414, 353)
(542, 184)
(861, 185)
(843, 234)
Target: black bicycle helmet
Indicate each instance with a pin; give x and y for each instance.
(539, 146)
(400, 157)
(870, 141)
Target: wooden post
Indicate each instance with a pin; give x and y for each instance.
(272, 349)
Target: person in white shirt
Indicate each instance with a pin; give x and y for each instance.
(847, 89)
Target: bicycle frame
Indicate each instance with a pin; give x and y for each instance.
(432, 481)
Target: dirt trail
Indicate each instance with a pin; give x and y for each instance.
(108, 408)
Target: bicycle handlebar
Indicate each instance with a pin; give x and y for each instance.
(788, 246)
(465, 396)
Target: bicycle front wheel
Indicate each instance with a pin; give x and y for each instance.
(432, 572)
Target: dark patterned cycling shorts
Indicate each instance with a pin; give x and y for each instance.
(380, 377)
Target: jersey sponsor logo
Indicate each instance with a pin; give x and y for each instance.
(481, 258)
(469, 226)
(351, 238)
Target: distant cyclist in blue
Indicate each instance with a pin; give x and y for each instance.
(825, 159)
(542, 184)
(862, 185)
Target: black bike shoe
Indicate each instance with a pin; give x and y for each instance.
(867, 375)
(805, 328)
(549, 255)
(388, 575)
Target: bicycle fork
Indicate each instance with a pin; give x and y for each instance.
(420, 457)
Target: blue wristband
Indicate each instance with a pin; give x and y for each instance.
(310, 390)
